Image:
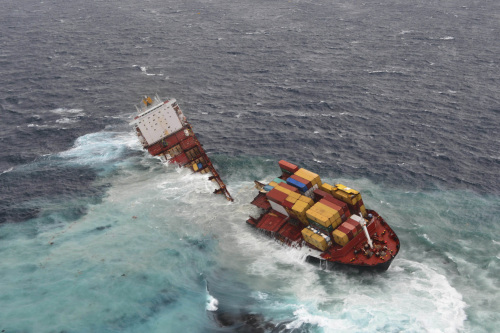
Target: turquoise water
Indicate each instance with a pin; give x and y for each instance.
(159, 253)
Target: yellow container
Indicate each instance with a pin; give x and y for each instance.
(294, 195)
(347, 189)
(273, 184)
(362, 209)
(336, 222)
(195, 167)
(307, 234)
(307, 200)
(346, 194)
(340, 238)
(326, 210)
(283, 190)
(291, 199)
(319, 242)
(314, 239)
(327, 188)
(310, 176)
(300, 208)
(318, 218)
(329, 213)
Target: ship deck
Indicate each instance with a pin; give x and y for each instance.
(355, 253)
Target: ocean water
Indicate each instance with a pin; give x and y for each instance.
(398, 100)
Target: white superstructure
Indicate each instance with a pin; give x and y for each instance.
(157, 120)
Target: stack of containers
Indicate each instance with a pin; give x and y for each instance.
(346, 231)
(282, 198)
(312, 178)
(276, 199)
(323, 217)
(356, 224)
(300, 208)
(316, 238)
(287, 168)
(302, 184)
(343, 207)
(347, 195)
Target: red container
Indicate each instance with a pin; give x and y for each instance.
(180, 135)
(276, 196)
(169, 141)
(287, 166)
(346, 230)
(291, 213)
(350, 227)
(287, 204)
(164, 144)
(180, 159)
(320, 194)
(156, 149)
(188, 143)
(355, 224)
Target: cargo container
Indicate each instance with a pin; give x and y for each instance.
(340, 238)
(300, 186)
(310, 176)
(346, 194)
(276, 196)
(316, 238)
(287, 167)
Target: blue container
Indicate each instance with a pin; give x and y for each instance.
(268, 188)
(302, 187)
(200, 166)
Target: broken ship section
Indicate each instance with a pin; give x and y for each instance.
(298, 209)
(165, 132)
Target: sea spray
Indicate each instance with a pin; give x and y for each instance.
(141, 258)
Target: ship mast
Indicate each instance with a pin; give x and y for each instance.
(363, 225)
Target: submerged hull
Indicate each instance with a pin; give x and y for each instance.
(373, 249)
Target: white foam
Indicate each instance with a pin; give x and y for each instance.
(8, 170)
(100, 148)
(303, 316)
(66, 111)
(410, 295)
(67, 120)
(212, 303)
(144, 70)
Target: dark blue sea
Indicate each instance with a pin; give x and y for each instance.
(397, 99)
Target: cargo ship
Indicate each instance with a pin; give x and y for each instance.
(165, 132)
(298, 209)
